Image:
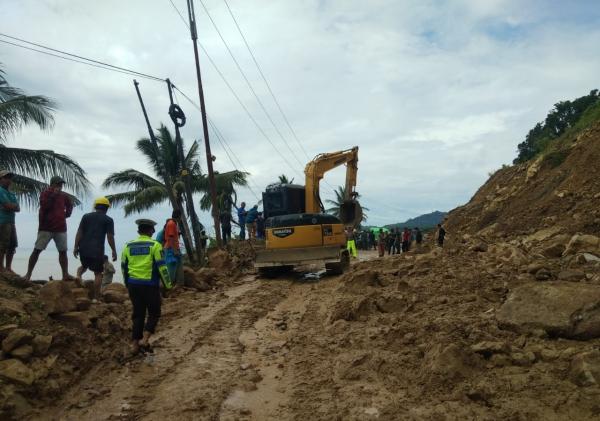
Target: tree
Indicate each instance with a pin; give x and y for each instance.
(145, 191)
(563, 116)
(225, 183)
(16, 111)
(284, 180)
(340, 195)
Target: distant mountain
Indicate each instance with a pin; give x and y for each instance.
(428, 220)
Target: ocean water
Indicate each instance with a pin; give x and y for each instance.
(47, 265)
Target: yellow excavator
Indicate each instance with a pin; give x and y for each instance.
(298, 231)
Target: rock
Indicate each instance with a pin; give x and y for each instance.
(591, 258)
(83, 303)
(41, 344)
(6, 329)
(523, 358)
(554, 250)
(487, 348)
(585, 368)
(16, 338)
(480, 247)
(202, 280)
(11, 308)
(57, 297)
(114, 297)
(220, 260)
(80, 293)
(117, 287)
(582, 244)
(15, 371)
(24, 352)
(543, 274)
(534, 267)
(571, 275)
(76, 319)
(559, 308)
(448, 362)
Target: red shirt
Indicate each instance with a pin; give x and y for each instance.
(55, 208)
(406, 236)
(171, 235)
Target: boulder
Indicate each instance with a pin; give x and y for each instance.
(585, 368)
(480, 247)
(76, 319)
(24, 352)
(202, 279)
(57, 297)
(11, 308)
(15, 371)
(80, 293)
(488, 348)
(220, 260)
(543, 274)
(6, 329)
(83, 303)
(571, 275)
(116, 287)
(582, 244)
(591, 258)
(16, 338)
(41, 344)
(560, 308)
(114, 297)
(554, 250)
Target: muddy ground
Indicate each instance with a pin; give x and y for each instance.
(404, 337)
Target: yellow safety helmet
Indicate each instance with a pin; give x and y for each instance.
(102, 201)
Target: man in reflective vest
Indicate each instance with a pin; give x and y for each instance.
(143, 265)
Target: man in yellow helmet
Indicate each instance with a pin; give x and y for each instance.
(144, 267)
(94, 228)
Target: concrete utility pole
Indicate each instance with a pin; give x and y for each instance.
(187, 238)
(209, 157)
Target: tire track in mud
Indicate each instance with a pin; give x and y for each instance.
(196, 362)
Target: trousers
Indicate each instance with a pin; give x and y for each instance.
(351, 246)
(144, 299)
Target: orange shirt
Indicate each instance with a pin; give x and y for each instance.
(171, 235)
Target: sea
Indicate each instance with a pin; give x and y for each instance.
(47, 265)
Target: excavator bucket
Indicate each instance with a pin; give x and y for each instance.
(351, 212)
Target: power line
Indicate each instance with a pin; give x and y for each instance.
(76, 61)
(234, 93)
(222, 141)
(97, 62)
(265, 80)
(262, 106)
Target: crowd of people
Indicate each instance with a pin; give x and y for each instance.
(250, 221)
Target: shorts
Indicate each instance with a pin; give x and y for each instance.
(44, 237)
(8, 238)
(95, 264)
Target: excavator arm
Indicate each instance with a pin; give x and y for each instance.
(316, 169)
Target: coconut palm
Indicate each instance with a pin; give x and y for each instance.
(145, 191)
(283, 179)
(225, 185)
(16, 111)
(340, 195)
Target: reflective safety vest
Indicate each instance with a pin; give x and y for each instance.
(143, 263)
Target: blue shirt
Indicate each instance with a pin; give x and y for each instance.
(7, 216)
(251, 215)
(241, 216)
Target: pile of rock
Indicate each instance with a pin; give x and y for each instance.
(18, 347)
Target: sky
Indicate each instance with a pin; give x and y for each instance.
(436, 94)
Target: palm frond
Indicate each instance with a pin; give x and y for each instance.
(44, 164)
(146, 199)
(20, 110)
(130, 178)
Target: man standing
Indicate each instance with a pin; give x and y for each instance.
(55, 208)
(260, 226)
(241, 212)
(171, 244)
(94, 228)
(8, 233)
(418, 238)
(144, 268)
(351, 242)
(225, 227)
(441, 234)
(251, 216)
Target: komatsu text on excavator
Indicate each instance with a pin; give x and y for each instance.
(298, 231)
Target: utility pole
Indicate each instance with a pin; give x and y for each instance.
(178, 118)
(209, 157)
(187, 238)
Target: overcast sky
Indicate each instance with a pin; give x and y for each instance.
(435, 93)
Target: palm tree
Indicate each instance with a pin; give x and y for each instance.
(284, 180)
(340, 195)
(225, 183)
(16, 111)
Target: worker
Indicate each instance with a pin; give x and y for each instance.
(241, 213)
(351, 242)
(55, 208)
(225, 219)
(381, 240)
(251, 216)
(406, 236)
(143, 269)
(441, 234)
(94, 229)
(171, 244)
(8, 233)
(418, 238)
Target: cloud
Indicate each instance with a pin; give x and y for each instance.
(436, 94)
